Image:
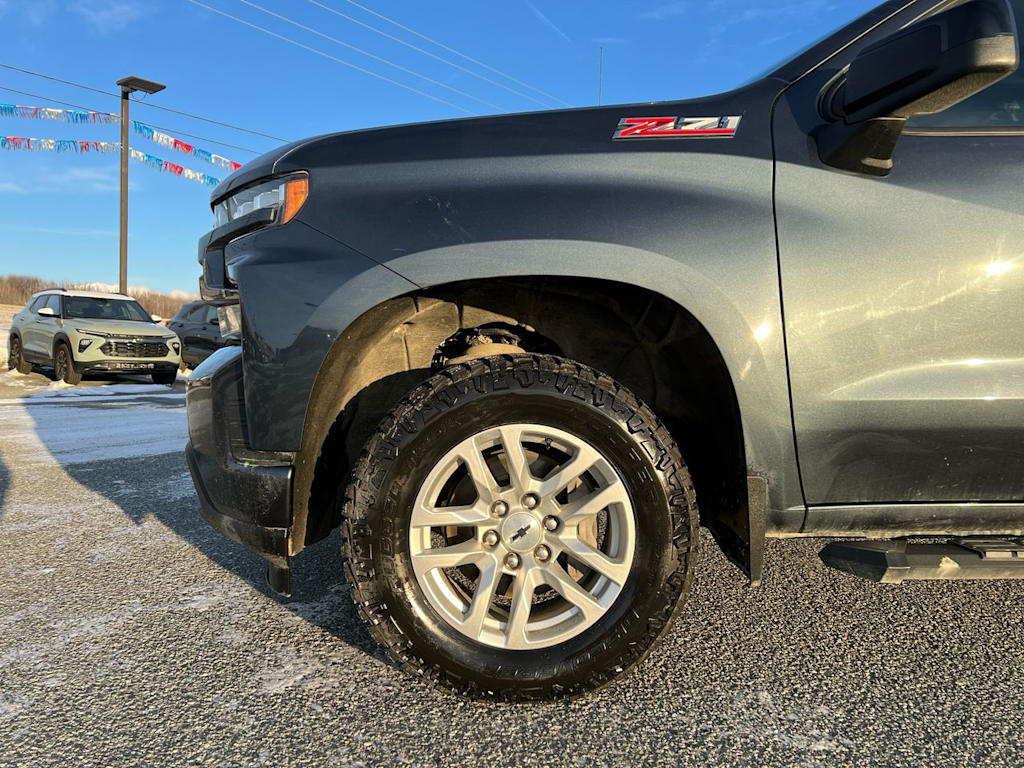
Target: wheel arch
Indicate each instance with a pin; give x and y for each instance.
(59, 338)
(387, 350)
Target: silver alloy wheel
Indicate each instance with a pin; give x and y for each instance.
(494, 566)
(62, 364)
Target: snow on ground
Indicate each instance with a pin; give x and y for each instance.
(97, 430)
(62, 390)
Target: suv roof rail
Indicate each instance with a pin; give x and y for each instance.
(55, 288)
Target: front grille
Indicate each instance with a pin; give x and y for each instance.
(134, 349)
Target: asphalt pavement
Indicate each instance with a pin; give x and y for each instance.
(133, 635)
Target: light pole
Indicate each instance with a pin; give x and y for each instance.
(128, 86)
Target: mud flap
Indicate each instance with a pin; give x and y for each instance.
(740, 535)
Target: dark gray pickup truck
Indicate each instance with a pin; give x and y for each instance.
(510, 356)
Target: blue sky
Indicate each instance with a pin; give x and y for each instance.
(59, 220)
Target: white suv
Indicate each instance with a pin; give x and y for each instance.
(79, 332)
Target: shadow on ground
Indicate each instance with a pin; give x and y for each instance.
(158, 485)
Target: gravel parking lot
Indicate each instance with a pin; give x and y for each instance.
(133, 635)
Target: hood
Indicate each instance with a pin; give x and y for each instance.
(577, 131)
(119, 327)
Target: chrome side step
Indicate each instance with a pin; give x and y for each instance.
(893, 561)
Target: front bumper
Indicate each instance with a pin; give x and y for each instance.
(93, 359)
(124, 366)
(244, 494)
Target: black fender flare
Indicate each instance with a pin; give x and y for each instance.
(59, 337)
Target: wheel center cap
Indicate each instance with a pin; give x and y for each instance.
(521, 531)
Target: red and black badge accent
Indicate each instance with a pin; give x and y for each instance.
(677, 127)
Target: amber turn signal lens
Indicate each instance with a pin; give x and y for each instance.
(295, 193)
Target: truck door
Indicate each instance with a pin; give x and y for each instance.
(904, 301)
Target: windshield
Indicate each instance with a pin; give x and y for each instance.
(104, 309)
(849, 14)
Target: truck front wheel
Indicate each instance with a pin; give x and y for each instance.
(519, 527)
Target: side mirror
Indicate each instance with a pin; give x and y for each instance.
(156, 318)
(922, 69)
(46, 312)
(214, 321)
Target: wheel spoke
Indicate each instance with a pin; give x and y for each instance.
(584, 553)
(523, 586)
(490, 572)
(558, 579)
(518, 463)
(514, 548)
(473, 515)
(584, 459)
(466, 553)
(577, 511)
(472, 459)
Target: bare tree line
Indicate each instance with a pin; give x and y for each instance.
(15, 289)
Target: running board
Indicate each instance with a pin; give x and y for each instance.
(892, 561)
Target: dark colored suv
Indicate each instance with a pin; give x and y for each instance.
(198, 327)
(509, 355)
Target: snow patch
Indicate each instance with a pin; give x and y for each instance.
(208, 596)
(97, 433)
(12, 704)
(60, 389)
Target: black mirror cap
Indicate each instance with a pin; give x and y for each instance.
(925, 68)
(932, 64)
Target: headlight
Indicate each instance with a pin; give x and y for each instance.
(84, 344)
(93, 333)
(229, 319)
(287, 195)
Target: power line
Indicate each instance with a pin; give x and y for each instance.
(457, 53)
(425, 52)
(333, 58)
(143, 103)
(151, 125)
(390, 63)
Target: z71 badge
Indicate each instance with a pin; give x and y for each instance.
(677, 127)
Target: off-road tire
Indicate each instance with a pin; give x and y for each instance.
(64, 365)
(491, 391)
(16, 358)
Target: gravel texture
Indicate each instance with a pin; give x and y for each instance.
(133, 635)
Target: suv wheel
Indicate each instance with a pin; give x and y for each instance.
(165, 377)
(64, 365)
(519, 527)
(16, 359)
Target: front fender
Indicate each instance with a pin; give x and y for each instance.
(735, 299)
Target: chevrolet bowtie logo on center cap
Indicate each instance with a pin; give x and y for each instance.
(521, 532)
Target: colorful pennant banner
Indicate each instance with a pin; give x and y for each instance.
(81, 147)
(166, 140)
(81, 116)
(62, 115)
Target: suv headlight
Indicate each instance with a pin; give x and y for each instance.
(101, 334)
(286, 194)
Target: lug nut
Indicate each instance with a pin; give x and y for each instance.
(530, 501)
(499, 508)
(512, 560)
(551, 523)
(491, 538)
(542, 553)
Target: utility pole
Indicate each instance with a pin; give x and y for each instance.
(128, 86)
(600, 72)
